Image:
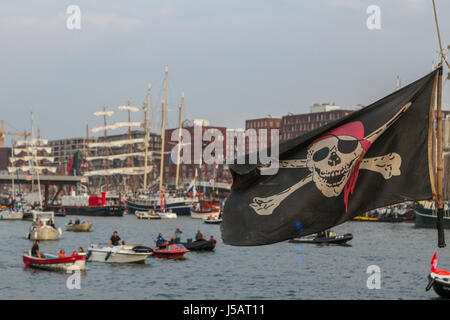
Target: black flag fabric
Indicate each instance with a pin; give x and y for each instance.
(374, 157)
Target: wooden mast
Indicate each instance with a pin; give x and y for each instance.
(106, 150)
(130, 149)
(87, 153)
(180, 127)
(163, 131)
(440, 165)
(147, 134)
(440, 153)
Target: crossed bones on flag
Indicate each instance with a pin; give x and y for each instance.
(334, 161)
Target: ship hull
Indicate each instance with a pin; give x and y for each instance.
(426, 218)
(180, 208)
(100, 211)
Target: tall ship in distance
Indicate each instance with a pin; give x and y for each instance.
(102, 152)
(176, 202)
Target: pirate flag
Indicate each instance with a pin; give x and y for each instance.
(374, 157)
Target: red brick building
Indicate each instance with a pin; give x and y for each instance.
(295, 125)
(187, 171)
(263, 123)
(5, 153)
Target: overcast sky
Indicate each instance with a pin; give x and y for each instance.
(234, 59)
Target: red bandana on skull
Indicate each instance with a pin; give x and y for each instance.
(334, 159)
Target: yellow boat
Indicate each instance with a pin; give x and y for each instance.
(362, 218)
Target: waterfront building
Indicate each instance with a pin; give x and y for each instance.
(294, 125)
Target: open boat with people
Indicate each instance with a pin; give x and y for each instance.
(174, 251)
(150, 214)
(9, 214)
(200, 245)
(54, 262)
(133, 253)
(213, 220)
(439, 280)
(84, 226)
(42, 227)
(337, 239)
(204, 209)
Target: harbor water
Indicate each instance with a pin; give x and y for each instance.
(279, 271)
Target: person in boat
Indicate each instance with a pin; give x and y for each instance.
(178, 233)
(115, 239)
(77, 220)
(80, 250)
(62, 253)
(51, 223)
(70, 221)
(74, 253)
(38, 223)
(172, 240)
(212, 239)
(160, 241)
(35, 250)
(199, 236)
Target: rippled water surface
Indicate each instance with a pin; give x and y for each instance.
(279, 271)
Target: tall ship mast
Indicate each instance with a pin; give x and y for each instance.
(113, 150)
(31, 156)
(178, 203)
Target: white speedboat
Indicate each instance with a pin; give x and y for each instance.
(167, 215)
(9, 214)
(118, 254)
(41, 228)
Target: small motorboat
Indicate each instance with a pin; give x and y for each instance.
(9, 214)
(439, 280)
(151, 214)
(200, 245)
(41, 229)
(134, 253)
(338, 239)
(84, 226)
(167, 215)
(174, 251)
(213, 219)
(54, 262)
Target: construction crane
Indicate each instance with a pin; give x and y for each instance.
(4, 133)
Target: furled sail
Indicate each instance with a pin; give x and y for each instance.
(122, 156)
(32, 142)
(29, 158)
(18, 151)
(104, 113)
(123, 171)
(118, 125)
(117, 143)
(130, 108)
(40, 169)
